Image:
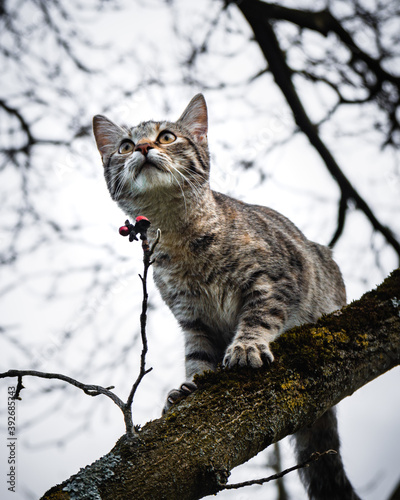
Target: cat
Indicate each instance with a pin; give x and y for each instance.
(234, 275)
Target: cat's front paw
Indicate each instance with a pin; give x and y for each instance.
(177, 394)
(252, 354)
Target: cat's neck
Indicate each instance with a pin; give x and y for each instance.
(175, 213)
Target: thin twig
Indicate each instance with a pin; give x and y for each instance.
(343, 206)
(90, 390)
(18, 389)
(313, 458)
(96, 390)
(147, 262)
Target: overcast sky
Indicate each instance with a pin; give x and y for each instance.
(71, 304)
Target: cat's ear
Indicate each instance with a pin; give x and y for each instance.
(107, 135)
(194, 118)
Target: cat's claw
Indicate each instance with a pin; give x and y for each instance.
(254, 355)
(175, 395)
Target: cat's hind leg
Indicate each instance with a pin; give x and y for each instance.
(176, 395)
(201, 355)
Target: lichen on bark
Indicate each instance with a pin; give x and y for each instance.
(235, 414)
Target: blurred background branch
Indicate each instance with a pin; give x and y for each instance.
(326, 80)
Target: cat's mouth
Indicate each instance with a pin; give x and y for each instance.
(147, 165)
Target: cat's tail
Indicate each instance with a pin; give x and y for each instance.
(326, 478)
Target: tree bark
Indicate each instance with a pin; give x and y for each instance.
(235, 414)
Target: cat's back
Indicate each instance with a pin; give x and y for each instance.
(260, 220)
(262, 234)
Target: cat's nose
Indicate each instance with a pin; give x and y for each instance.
(143, 148)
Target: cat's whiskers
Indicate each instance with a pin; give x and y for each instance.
(185, 173)
(172, 172)
(184, 178)
(192, 181)
(120, 181)
(170, 169)
(126, 178)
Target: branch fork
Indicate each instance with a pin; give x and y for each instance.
(140, 227)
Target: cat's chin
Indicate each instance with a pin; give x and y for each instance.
(151, 177)
(149, 165)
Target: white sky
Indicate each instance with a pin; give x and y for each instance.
(72, 189)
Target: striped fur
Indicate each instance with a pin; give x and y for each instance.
(234, 275)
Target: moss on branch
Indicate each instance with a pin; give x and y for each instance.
(235, 414)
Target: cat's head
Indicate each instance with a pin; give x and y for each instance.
(155, 156)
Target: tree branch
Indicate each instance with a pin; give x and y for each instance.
(343, 205)
(324, 22)
(90, 390)
(96, 390)
(396, 493)
(24, 124)
(235, 414)
(266, 38)
(314, 457)
(147, 262)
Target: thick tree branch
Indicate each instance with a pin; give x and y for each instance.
(235, 414)
(324, 22)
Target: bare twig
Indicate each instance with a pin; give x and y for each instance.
(147, 262)
(18, 389)
(90, 390)
(314, 457)
(343, 206)
(96, 390)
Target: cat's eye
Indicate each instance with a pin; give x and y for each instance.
(126, 147)
(166, 137)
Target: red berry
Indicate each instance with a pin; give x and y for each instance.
(141, 217)
(142, 224)
(124, 231)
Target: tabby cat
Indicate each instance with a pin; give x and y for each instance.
(234, 275)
